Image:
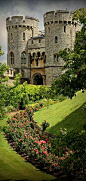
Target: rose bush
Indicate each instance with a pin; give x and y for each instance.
(66, 152)
(28, 141)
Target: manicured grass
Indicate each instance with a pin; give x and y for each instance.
(14, 167)
(68, 114)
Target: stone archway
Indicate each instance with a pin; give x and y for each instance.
(37, 79)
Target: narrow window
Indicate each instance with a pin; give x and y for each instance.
(33, 55)
(11, 72)
(43, 54)
(48, 29)
(39, 40)
(32, 42)
(65, 29)
(23, 58)
(11, 36)
(12, 58)
(36, 62)
(23, 36)
(56, 57)
(32, 33)
(38, 54)
(56, 39)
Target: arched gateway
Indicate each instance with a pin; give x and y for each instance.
(37, 79)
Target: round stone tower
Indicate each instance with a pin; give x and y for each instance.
(19, 30)
(60, 32)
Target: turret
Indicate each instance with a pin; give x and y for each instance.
(60, 32)
(19, 30)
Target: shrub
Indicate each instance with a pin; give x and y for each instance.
(74, 143)
(44, 125)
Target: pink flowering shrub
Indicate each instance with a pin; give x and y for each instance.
(28, 141)
(66, 152)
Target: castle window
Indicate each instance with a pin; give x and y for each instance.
(60, 22)
(38, 54)
(56, 57)
(43, 54)
(11, 72)
(39, 40)
(34, 55)
(65, 29)
(32, 33)
(23, 58)
(32, 42)
(56, 39)
(23, 36)
(12, 58)
(48, 29)
(11, 36)
(36, 62)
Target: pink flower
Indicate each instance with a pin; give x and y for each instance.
(44, 152)
(59, 147)
(66, 152)
(71, 151)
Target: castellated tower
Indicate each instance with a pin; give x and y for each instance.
(60, 32)
(19, 30)
(34, 53)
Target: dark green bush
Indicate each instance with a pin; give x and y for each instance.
(75, 143)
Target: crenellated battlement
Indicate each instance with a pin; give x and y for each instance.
(21, 21)
(34, 53)
(59, 17)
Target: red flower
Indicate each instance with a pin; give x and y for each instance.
(44, 152)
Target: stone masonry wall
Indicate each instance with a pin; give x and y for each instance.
(60, 33)
(16, 26)
(58, 25)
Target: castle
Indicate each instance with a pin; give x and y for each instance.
(34, 53)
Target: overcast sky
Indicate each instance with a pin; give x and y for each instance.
(33, 8)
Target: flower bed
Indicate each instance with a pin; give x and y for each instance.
(26, 140)
(36, 148)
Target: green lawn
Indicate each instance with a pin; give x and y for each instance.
(68, 114)
(14, 167)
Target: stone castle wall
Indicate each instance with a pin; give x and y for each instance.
(60, 32)
(16, 26)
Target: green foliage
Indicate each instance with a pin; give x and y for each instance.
(1, 53)
(73, 79)
(3, 88)
(13, 166)
(44, 125)
(17, 79)
(76, 143)
(36, 92)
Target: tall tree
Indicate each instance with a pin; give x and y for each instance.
(3, 91)
(74, 78)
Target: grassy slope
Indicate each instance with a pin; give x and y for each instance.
(13, 166)
(67, 114)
